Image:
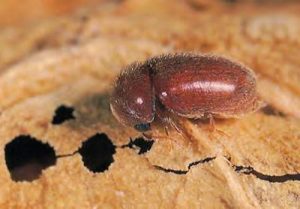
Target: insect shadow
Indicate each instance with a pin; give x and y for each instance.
(93, 109)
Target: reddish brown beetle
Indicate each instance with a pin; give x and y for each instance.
(188, 85)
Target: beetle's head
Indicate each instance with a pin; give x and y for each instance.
(132, 99)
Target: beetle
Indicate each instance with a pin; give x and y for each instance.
(186, 85)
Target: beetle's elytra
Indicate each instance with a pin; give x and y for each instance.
(188, 85)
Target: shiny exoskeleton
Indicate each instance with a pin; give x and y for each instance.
(188, 85)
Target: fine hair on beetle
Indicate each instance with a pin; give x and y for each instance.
(184, 85)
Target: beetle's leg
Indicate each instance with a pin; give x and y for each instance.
(175, 122)
(167, 130)
(168, 119)
(222, 133)
(175, 125)
(163, 117)
(212, 125)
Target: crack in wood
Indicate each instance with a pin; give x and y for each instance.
(183, 172)
(247, 170)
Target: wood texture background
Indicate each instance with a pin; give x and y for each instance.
(74, 59)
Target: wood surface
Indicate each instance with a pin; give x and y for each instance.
(252, 162)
